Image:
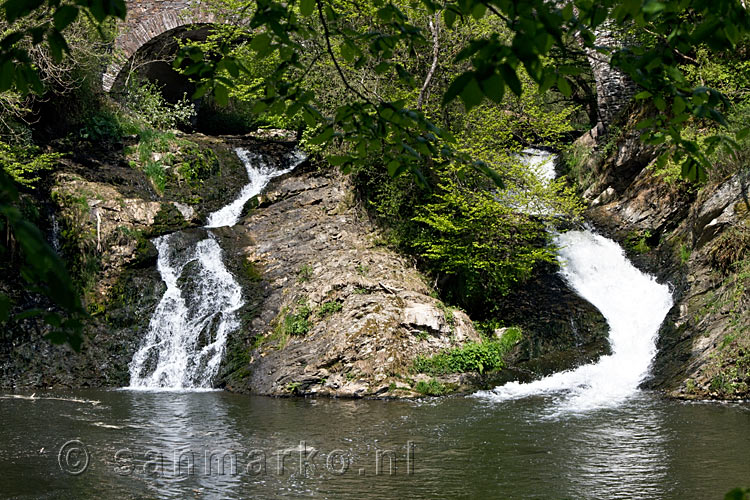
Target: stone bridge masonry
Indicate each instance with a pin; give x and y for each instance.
(146, 20)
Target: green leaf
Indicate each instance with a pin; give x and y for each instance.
(678, 106)
(306, 7)
(449, 16)
(7, 74)
(741, 134)
(322, 137)
(65, 15)
(547, 82)
(232, 68)
(336, 160)
(567, 12)
(693, 171)
(471, 94)
(491, 173)
(221, 93)
(652, 7)
(478, 11)
(15, 9)
(645, 94)
(457, 86)
(564, 87)
(394, 167)
(348, 52)
(382, 67)
(511, 79)
(57, 45)
(493, 87)
(260, 43)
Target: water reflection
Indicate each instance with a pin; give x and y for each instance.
(181, 443)
(463, 448)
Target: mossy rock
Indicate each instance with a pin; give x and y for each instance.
(167, 220)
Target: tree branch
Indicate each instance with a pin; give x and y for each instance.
(333, 56)
(435, 29)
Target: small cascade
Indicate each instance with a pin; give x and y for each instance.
(259, 172)
(187, 334)
(55, 234)
(188, 331)
(632, 302)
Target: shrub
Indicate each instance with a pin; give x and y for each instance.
(472, 357)
(431, 388)
(26, 164)
(145, 101)
(480, 246)
(328, 308)
(155, 172)
(297, 323)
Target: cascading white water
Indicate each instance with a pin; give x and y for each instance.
(187, 334)
(259, 172)
(188, 331)
(633, 304)
(540, 162)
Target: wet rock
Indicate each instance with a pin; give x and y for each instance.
(340, 316)
(560, 329)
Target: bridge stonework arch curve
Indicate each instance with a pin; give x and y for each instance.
(147, 20)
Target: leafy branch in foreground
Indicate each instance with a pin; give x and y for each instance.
(407, 139)
(36, 22)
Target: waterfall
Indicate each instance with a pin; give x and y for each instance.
(187, 333)
(633, 304)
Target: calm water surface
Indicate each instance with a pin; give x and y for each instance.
(154, 445)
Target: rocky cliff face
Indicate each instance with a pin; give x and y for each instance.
(697, 239)
(329, 310)
(339, 314)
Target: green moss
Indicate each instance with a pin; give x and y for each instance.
(251, 271)
(197, 164)
(685, 252)
(166, 220)
(638, 241)
(431, 388)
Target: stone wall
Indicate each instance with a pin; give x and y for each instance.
(614, 89)
(146, 21)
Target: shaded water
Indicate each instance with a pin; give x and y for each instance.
(462, 448)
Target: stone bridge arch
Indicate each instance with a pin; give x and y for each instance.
(148, 21)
